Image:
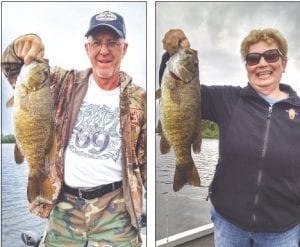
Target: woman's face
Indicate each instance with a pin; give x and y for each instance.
(265, 76)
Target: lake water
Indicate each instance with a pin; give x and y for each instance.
(175, 212)
(186, 209)
(15, 215)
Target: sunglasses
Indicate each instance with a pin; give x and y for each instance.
(271, 56)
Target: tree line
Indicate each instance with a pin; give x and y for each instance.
(10, 138)
(210, 130)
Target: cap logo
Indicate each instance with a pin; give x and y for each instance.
(106, 16)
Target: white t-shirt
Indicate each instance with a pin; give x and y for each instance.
(92, 157)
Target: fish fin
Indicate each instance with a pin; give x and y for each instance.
(186, 174)
(39, 186)
(19, 157)
(51, 153)
(158, 93)
(164, 144)
(174, 94)
(197, 138)
(10, 102)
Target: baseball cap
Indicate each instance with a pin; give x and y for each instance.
(108, 19)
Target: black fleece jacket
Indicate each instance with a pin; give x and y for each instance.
(257, 181)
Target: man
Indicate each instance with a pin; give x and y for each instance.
(100, 165)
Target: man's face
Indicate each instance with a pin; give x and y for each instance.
(105, 51)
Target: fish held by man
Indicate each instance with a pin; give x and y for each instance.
(180, 114)
(33, 116)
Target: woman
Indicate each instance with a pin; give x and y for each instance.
(255, 192)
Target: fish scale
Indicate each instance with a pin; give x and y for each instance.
(34, 126)
(180, 114)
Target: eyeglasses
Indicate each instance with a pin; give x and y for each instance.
(110, 44)
(271, 56)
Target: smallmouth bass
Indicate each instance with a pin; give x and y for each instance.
(180, 114)
(34, 123)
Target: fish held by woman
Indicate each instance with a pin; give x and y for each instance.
(33, 116)
(180, 114)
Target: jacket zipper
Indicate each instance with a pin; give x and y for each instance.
(263, 154)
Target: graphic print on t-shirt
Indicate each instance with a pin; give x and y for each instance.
(97, 132)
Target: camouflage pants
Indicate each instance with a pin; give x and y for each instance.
(99, 222)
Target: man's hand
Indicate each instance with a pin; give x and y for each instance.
(29, 47)
(173, 39)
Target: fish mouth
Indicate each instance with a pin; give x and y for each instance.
(174, 76)
(190, 51)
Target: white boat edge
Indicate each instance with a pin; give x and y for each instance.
(187, 236)
(143, 236)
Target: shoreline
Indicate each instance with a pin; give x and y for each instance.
(176, 212)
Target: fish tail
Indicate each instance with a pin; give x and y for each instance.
(39, 187)
(186, 174)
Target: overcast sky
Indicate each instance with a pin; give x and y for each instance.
(62, 26)
(216, 30)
